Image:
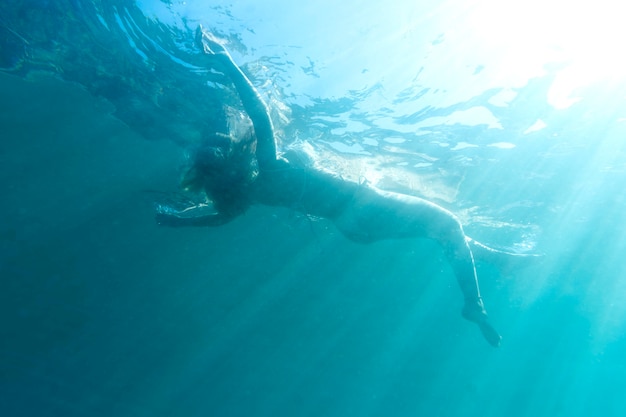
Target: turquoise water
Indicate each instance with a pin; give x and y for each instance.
(509, 115)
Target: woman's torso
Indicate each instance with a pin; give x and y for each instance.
(302, 188)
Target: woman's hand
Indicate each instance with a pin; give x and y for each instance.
(200, 215)
(210, 44)
(168, 216)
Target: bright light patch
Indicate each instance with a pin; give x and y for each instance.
(474, 116)
(503, 98)
(584, 37)
(502, 145)
(463, 145)
(394, 140)
(538, 125)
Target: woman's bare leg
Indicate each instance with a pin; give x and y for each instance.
(461, 259)
(375, 214)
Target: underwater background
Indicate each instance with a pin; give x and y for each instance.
(512, 115)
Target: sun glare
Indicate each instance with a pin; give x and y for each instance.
(583, 38)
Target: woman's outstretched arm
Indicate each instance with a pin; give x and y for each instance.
(252, 101)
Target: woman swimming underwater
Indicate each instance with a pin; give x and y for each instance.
(236, 172)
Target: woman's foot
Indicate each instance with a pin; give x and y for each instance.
(490, 334)
(475, 312)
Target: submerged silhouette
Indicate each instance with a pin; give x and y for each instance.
(237, 171)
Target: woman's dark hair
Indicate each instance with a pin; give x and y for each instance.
(224, 167)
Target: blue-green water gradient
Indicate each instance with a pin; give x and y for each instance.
(505, 114)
